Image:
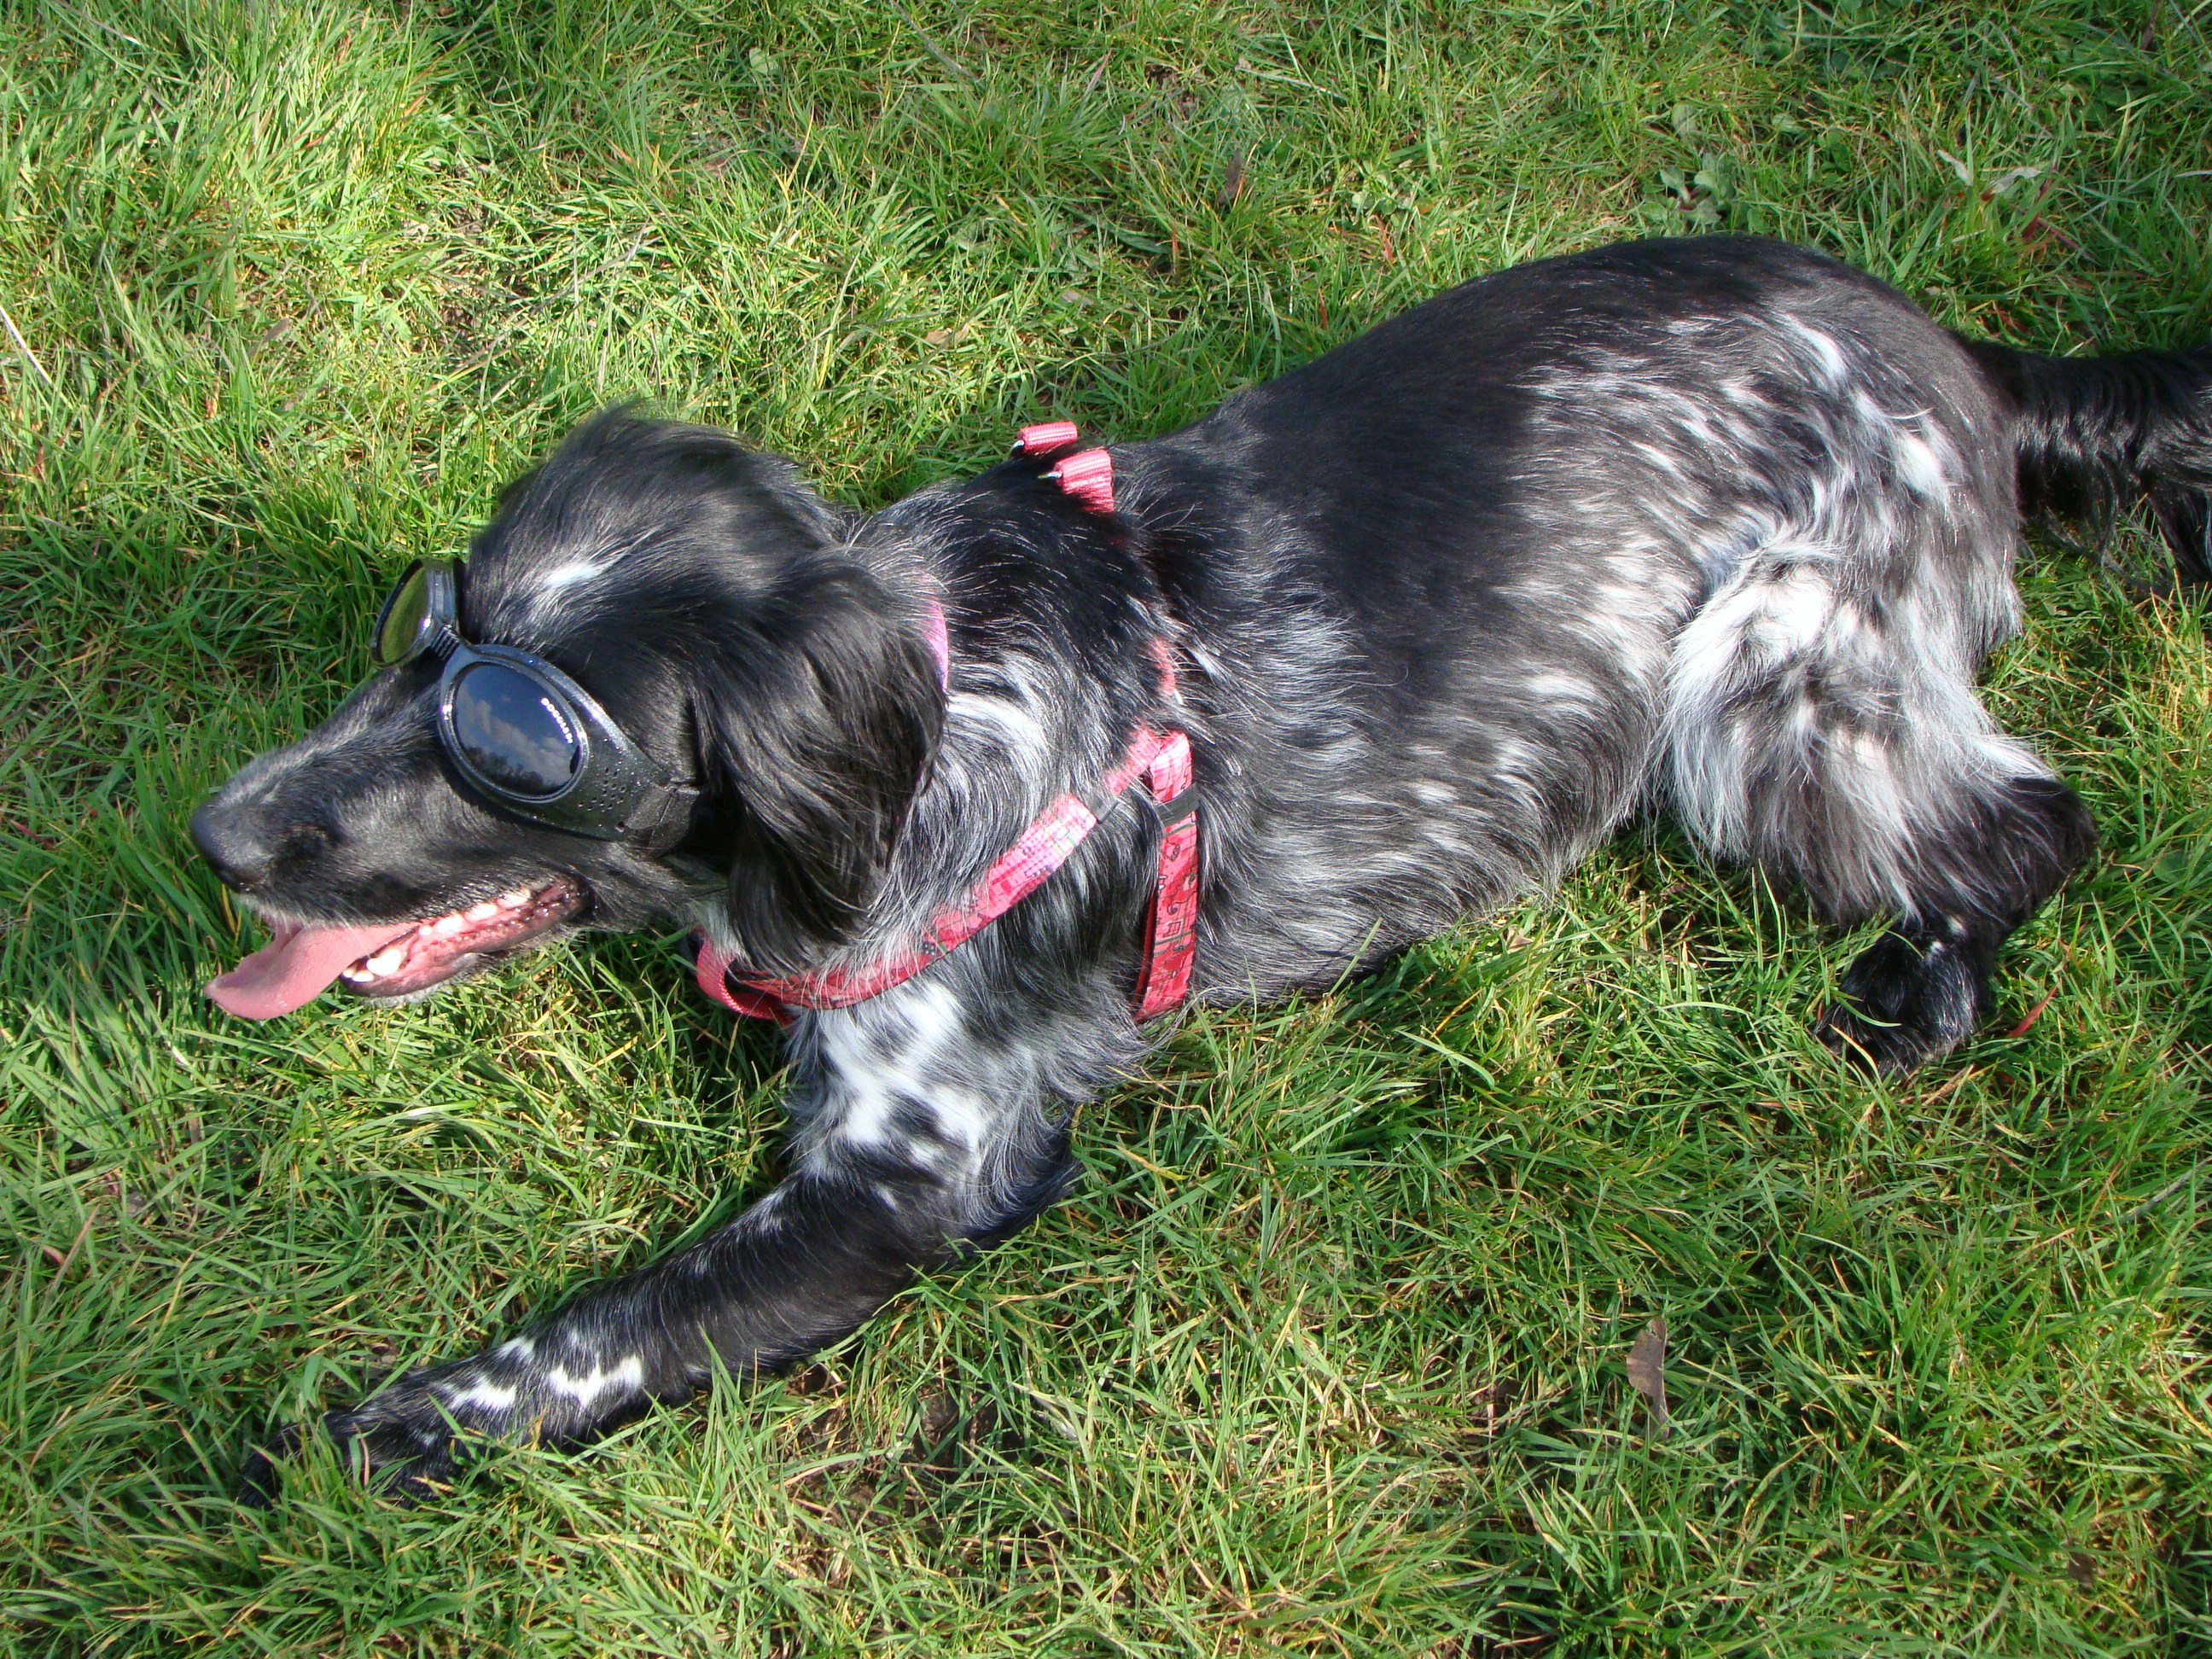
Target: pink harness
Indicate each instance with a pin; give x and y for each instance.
(1161, 759)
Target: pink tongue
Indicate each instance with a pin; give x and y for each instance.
(292, 970)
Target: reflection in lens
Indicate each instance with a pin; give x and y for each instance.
(511, 733)
(403, 616)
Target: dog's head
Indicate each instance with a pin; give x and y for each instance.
(706, 600)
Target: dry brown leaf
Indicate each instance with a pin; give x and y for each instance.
(1647, 1370)
(2033, 1014)
(1232, 182)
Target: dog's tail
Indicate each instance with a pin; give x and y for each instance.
(2094, 434)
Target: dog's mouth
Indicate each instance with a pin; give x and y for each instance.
(445, 946)
(388, 960)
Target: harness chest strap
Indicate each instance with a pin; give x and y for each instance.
(1171, 930)
(1161, 760)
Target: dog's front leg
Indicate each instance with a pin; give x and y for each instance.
(913, 1139)
(802, 1267)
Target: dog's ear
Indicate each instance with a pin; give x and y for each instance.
(814, 733)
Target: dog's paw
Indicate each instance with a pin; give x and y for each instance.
(260, 1479)
(400, 1451)
(1908, 1000)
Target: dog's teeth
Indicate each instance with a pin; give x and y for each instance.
(386, 961)
(483, 912)
(446, 927)
(515, 900)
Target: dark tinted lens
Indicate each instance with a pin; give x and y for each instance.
(404, 616)
(513, 733)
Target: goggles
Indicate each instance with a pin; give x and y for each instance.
(521, 734)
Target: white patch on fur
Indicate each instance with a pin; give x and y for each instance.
(1745, 634)
(489, 1395)
(1919, 464)
(1560, 687)
(1792, 611)
(585, 1391)
(880, 1054)
(1011, 719)
(1827, 354)
(1016, 730)
(569, 575)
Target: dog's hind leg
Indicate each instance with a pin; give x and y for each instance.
(1822, 722)
(923, 1130)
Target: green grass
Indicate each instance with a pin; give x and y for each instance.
(1326, 1356)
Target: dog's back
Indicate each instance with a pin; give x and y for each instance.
(1719, 517)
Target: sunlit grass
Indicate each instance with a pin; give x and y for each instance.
(1327, 1355)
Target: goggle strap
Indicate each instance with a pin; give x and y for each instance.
(661, 817)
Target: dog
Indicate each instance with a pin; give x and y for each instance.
(968, 791)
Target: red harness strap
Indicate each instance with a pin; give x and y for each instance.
(1171, 931)
(1163, 760)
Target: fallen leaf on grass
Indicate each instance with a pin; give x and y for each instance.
(2027, 1020)
(1647, 1370)
(1990, 186)
(1232, 182)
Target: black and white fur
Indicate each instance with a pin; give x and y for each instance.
(1718, 522)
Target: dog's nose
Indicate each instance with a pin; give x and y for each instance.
(244, 844)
